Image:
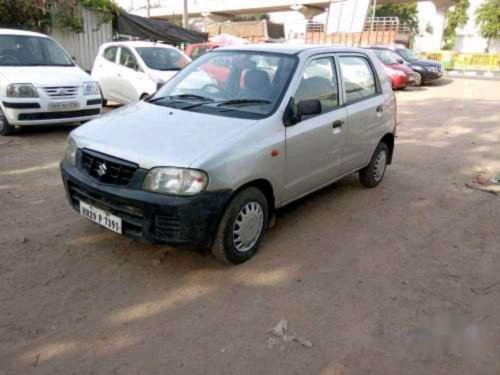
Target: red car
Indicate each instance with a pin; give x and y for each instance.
(400, 74)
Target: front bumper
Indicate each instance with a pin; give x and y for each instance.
(157, 218)
(431, 75)
(38, 111)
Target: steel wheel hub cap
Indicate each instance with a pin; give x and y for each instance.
(248, 226)
(379, 166)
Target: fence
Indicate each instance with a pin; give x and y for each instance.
(85, 45)
(473, 61)
(381, 30)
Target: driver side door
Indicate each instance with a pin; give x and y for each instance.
(315, 143)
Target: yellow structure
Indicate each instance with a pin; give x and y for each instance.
(475, 61)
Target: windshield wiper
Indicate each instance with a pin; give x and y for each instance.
(243, 101)
(182, 96)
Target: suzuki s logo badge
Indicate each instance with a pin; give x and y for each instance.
(102, 169)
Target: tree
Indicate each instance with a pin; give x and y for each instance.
(488, 20)
(24, 14)
(455, 17)
(407, 13)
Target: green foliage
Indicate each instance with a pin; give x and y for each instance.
(24, 14)
(36, 14)
(455, 17)
(407, 13)
(488, 19)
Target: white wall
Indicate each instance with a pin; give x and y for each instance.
(429, 17)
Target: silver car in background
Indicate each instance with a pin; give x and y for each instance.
(237, 134)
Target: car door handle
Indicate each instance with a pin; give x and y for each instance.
(380, 109)
(337, 124)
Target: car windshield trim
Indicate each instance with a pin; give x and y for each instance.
(212, 108)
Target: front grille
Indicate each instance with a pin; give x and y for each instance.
(169, 226)
(61, 92)
(58, 115)
(106, 169)
(132, 216)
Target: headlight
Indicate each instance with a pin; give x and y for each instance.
(178, 181)
(431, 68)
(70, 153)
(21, 90)
(91, 88)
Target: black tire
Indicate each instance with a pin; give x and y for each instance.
(225, 247)
(104, 102)
(5, 127)
(418, 79)
(371, 175)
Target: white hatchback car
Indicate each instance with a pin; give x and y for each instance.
(41, 84)
(131, 70)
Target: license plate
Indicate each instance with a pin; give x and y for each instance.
(63, 106)
(101, 217)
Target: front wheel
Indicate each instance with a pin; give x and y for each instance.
(418, 78)
(5, 127)
(242, 227)
(371, 175)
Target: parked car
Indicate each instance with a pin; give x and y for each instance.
(131, 70)
(196, 50)
(424, 70)
(400, 74)
(215, 161)
(40, 83)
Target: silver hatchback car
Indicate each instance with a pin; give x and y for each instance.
(235, 135)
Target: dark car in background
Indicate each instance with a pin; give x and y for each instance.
(424, 70)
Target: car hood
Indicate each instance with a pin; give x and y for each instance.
(43, 76)
(402, 68)
(422, 62)
(152, 135)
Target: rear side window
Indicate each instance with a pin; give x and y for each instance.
(319, 81)
(358, 77)
(110, 53)
(128, 59)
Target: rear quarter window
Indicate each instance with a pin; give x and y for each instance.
(110, 53)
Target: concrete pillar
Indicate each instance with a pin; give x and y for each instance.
(347, 16)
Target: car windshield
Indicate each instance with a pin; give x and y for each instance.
(406, 54)
(233, 83)
(23, 50)
(387, 57)
(161, 58)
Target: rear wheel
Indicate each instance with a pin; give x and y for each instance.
(371, 175)
(242, 227)
(5, 127)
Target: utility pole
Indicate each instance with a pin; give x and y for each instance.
(373, 14)
(185, 15)
(149, 8)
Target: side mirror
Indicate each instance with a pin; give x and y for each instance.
(401, 61)
(308, 107)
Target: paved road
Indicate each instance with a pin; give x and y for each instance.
(400, 279)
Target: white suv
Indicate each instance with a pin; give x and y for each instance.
(40, 83)
(131, 70)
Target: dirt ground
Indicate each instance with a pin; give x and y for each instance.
(401, 279)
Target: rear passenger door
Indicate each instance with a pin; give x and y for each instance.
(314, 144)
(364, 103)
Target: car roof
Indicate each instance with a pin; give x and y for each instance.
(290, 49)
(391, 47)
(21, 32)
(136, 43)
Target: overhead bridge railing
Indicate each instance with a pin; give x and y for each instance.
(465, 61)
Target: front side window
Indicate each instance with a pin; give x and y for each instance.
(358, 78)
(160, 58)
(110, 53)
(232, 83)
(23, 50)
(319, 81)
(127, 59)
